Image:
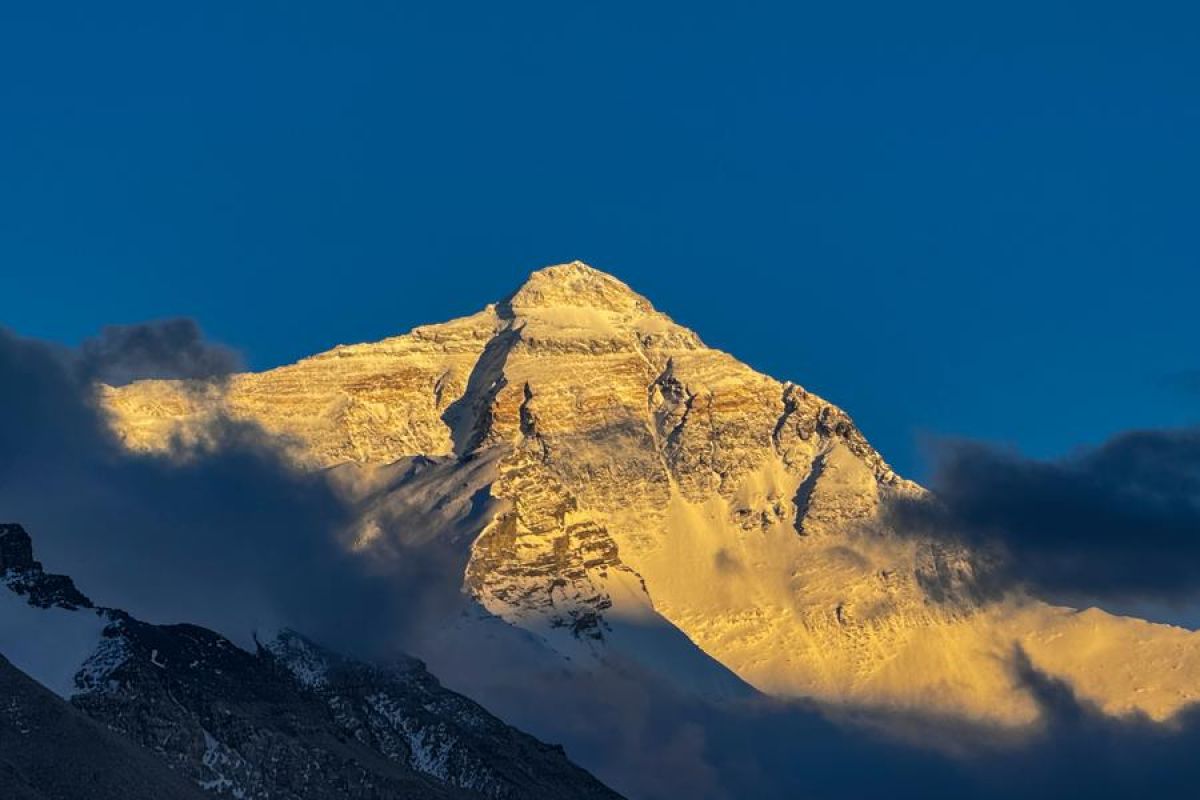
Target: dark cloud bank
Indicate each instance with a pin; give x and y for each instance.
(173, 348)
(1119, 522)
(233, 537)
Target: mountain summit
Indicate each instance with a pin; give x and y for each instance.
(576, 285)
(613, 491)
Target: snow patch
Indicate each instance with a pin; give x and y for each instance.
(217, 757)
(307, 665)
(50, 645)
(94, 675)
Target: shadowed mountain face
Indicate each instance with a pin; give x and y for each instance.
(50, 750)
(171, 707)
(648, 500)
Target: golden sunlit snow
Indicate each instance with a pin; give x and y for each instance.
(643, 476)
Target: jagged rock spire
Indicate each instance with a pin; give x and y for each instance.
(25, 576)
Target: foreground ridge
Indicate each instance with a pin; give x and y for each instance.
(290, 720)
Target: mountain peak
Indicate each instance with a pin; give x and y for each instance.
(16, 548)
(21, 573)
(577, 285)
(598, 472)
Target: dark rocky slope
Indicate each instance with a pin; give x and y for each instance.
(290, 721)
(49, 750)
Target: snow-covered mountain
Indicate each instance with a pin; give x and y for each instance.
(289, 720)
(613, 492)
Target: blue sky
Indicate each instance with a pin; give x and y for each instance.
(949, 220)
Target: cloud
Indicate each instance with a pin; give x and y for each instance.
(771, 749)
(1081, 751)
(172, 348)
(1120, 521)
(232, 537)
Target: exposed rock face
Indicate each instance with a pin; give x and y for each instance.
(642, 475)
(369, 404)
(544, 560)
(291, 721)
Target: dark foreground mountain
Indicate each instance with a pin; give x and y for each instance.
(290, 720)
(50, 750)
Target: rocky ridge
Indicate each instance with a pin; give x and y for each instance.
(291, 720)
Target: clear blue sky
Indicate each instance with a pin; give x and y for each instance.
(949, 219)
